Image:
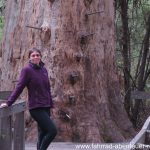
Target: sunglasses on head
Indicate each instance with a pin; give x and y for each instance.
(37, 55)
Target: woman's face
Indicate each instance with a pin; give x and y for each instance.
(35, 57)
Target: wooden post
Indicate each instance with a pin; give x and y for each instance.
(5, 133)
(147, 139)
(6, 125)
(19, 137)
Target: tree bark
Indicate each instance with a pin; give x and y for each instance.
(126, 55)
(78, 51)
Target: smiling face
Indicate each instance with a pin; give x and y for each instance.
(35, 57)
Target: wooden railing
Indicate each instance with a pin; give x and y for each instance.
(140, 95)
(142, 140)
(12, 124)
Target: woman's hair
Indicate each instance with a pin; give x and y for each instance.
(34, 49)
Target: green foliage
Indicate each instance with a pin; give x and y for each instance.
(133, 51)
(137, 14)
(1, 26)
(2, 8)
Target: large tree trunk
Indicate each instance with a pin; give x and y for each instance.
(79, 54)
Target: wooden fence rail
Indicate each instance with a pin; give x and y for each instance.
(12, 125)
(140, 95)
(142, 140)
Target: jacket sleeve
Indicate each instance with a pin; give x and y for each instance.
(23, 80)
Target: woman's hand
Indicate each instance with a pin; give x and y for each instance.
(3, 105)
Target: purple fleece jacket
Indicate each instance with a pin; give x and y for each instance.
(37, 82)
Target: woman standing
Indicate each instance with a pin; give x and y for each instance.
(34, 76)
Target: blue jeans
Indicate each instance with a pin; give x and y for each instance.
(46, 128)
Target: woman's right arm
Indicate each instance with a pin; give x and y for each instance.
(23, 80)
